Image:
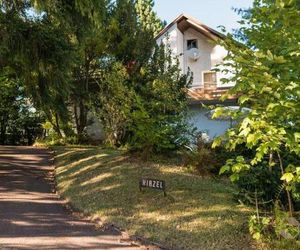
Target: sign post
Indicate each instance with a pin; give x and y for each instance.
(154, 184)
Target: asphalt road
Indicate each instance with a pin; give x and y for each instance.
(32, 216)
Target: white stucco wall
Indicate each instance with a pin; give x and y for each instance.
(211, 54)
(175, 39)
(217, 56)
(180, 49)
(206, 47)
(199, 119)
(171, 38)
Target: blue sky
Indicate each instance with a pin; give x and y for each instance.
(210, 12)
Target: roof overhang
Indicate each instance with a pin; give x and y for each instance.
(185, 22)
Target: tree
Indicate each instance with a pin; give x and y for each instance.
(265, 69)
(114, 102)
(19, 121)
(159, 116)
(147, 18)
(40, 55)
(131, 30)
(58, 47)
(8, 105)
(84, 22)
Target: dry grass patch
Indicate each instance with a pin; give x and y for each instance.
(198, 213)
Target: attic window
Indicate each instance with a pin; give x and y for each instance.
(193, 43)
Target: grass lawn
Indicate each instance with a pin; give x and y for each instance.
(198, 213)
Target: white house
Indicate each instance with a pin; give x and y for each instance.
(195, 46)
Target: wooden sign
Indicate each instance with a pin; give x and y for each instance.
(154, 184)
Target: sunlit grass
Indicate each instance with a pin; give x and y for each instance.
(198, 212)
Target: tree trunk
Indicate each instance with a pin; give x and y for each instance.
(2, 134)
(82, 117)
(3, 126)
(290, 204)
(57, 127)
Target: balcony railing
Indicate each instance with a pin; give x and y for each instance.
(209, 93)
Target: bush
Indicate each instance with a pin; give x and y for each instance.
(203, 158)
(265, 182)
(262, 184)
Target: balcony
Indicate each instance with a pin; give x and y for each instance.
(208, 94)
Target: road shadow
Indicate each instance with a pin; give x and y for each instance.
(32, 216)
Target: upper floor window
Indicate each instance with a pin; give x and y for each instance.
(193, 43)
(210, 79)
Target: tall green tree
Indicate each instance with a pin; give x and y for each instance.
(131, 30)
(40, 55)
(114, 102)
(265, 69)
(159, 118)
(147, 18)
(19, 121)
(8, 104)
(84, 22)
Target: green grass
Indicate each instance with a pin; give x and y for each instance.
(198, 213)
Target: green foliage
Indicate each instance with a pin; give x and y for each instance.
(146, 111)
(159, 117)
(265, 69)
(260, 184)
(39, 55)
(285, 226)
(114, 102)
(147, 18)
(275, 232)
(19, 122)
(76, 56)
(203, 158)
(258, 226)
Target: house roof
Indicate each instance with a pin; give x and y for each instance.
(185, 22)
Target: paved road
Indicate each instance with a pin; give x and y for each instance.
(32, 216)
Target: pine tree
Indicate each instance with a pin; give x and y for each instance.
(147, 17)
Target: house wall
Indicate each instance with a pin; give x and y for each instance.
(171, 38)
(211, 54)
(199, 119)
(204, 62)
(217, 56)
(175, 40)
(180, 49)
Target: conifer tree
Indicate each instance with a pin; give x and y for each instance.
(147, 17)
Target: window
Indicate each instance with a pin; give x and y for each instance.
(192, 44)
(210, 79)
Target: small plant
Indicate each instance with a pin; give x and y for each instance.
(285, 226)
(277, 231)
(258, 226)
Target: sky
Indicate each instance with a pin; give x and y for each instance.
(213, 13)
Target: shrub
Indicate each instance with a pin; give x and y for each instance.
(262, 184)
(200, 158)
